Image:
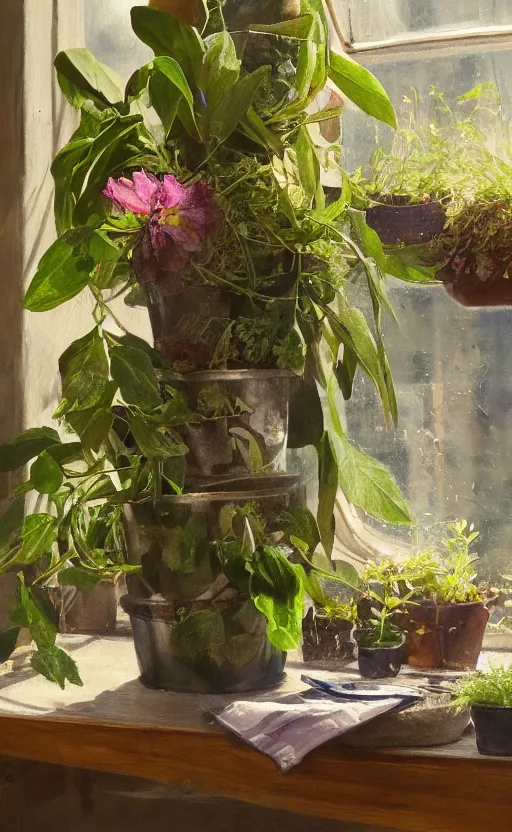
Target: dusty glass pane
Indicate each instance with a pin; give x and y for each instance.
(109, 36)
(452, 452)
(373, 20)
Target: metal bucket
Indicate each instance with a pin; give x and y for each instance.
(155, 537)
(203, 647)
(245, 426)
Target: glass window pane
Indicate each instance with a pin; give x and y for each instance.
(373, 20)
(108, 34)
(452, 365)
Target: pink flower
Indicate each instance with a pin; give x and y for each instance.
(181, 219)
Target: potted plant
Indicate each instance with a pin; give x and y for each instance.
(215, 218)
(489, 694)
(446, 624)
(441, 185)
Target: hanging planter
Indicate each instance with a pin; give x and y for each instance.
(203, 647)
(244, 426)
(326, 641)
(445, 636)
(406, 223)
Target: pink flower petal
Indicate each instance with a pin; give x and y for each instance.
(147, 187)
(122, 191)
(171, 192)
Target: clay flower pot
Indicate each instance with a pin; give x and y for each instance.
(445, 636)
(469, 287)
(408, 223)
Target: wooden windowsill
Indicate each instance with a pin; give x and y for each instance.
(114, 724)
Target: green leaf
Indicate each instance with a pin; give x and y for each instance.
(84, 373)
(222, 120)
(220, 70)
(45, 475)
(67, 161)
(345, 372)
(369, 485)
(84, 579)
(130, 340)
(42, 628)
(56, 666)
(93, 424)
(274, 575)
(11, 521)
(156, 442)
(22, 448)
(306, 421)
(8, 641)
(66, 452)
(300, 522)
(308, 166)
(358, 84)
(86, 78)
(133, 371)
(299, 27)
(165, 99)
(284, 621)
(166, 35)
(249, 449)
(327, 490)
(200, 632)
(38, 535)
(63, 272)
(185, 546)
(174, 73)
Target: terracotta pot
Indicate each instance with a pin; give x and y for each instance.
(468, 289)
(251, 442)
(445, 636)
(410, 224)
(326, 641)
(171, 657)
(93, 612)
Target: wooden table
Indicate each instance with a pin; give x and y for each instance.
(114, 724)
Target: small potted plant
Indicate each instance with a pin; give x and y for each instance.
(441, 185)
(446, 624)
(489, 694)
(327, 627)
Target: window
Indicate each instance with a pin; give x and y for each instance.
(452, 365)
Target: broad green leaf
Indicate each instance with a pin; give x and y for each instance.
(84, 373)
(133, 371)
(22, 448)
(306, 67)
(42, 628)
(165, 99)
(130, 340)
(313, 587)
(84, 579)
(284, 621)
(70, 158)
(369, 485)
(66, 452)
(87, 78)
(327, 490)
(156, 443)
(63, 272)
(45, 474)
(348, 574)
(56, 666)
(8, 640)
(11, 521)
(38, 535)
(174, 73)
(222, 120)
(274, 575)
(241, 649)
(166, 35)
(300, 523)
(249, 449)
(220, 70)
(309, 167)
(363, 88)
(185, 546)
(92, 425)
(299, 27)
(345, 372)
(102, 249)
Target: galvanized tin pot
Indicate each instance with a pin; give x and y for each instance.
(251, 440)
(228, 652)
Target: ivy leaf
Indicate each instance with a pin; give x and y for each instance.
(133, 371)
(166, 35)
(38, 534)
(200, 632)
(362, 87)
(8, 641)
(45, 474)
(42, 629)
(63, 272)
(82, 77)
(369, 485)
(11, 521)
(300, 523)
(84, 579)
(22, 448)
(84, 373)
(156, 442)
(327, 490)
(56, 666)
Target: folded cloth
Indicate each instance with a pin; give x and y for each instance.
(289, 728)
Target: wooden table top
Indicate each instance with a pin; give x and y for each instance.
(114, 724)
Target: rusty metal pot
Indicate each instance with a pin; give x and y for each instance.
(445, 636)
